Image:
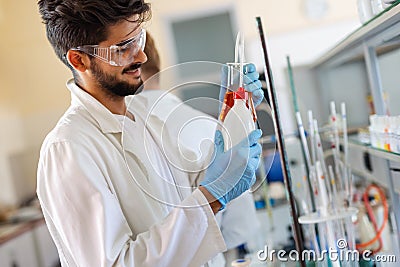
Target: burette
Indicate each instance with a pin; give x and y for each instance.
(281, 145)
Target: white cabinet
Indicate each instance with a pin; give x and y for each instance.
(4, 258)
(19, 252)
(368, 165)
(27, 245)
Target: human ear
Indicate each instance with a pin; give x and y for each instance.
(78, 60)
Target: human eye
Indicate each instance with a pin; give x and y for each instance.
(123, 48)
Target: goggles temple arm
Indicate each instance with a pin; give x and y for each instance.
(102, 53)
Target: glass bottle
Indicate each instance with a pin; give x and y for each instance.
(239, 121)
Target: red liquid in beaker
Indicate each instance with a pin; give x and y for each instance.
(229, 101)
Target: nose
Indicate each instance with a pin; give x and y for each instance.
(141, 57)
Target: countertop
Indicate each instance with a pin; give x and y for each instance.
(18, 226)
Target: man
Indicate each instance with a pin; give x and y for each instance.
(108, 184)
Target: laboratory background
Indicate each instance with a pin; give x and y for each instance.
(335, 67)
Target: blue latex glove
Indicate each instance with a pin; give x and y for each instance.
(232, 172)
(250, 81)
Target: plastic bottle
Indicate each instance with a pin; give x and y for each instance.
(393, 125)
(239, 121)
(386, 133)
(386, 237)
(366, 231)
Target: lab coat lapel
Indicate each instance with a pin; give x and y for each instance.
(110, 126)
(106, 121)
(185, 172)
(171, 152)
(128, 146)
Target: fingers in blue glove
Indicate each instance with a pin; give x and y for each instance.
(251, 167)
(249, 67)
(254, 87)
(253, 84)
(255, 151)
(258, 97)
(253, 181)
(226, 180)
(251, 77)
(252, 149)
(218, 139)
(252, 138)
(219, 146)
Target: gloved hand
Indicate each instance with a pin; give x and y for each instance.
(232, 172)
(250, 81)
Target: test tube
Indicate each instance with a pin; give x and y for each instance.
(312, 134)
(335, 142)
(303, 139)
(321, 158)
(330, 236)
(335, 127)
(346, 174)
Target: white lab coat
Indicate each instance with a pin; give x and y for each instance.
(194, 131)
(99, 214)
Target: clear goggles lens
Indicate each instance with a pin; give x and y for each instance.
(117, 55)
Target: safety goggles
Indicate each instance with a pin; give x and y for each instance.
(118, 54)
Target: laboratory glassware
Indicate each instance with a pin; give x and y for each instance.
(237, 113)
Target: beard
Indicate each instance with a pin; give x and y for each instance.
(111, 85)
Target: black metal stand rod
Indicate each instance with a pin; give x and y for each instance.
(281, 145)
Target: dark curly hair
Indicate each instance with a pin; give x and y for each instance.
(70, 23)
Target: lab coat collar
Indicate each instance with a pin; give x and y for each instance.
(139, 105)
(106, 120)
(159, 102)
